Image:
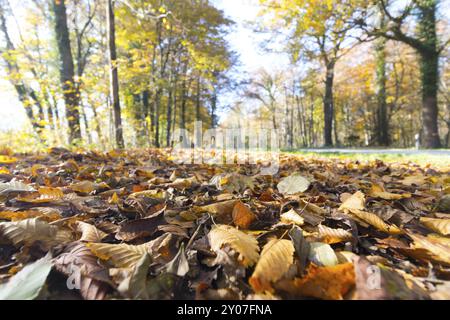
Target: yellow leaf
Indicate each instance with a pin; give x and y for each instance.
(85, 186)
(330, 235)
(45, 194)
(276, 259)
(377, 191)
(35, 169)
(441, 226)
(355, 201)
(292, 217)
(121, 255)
(245, 245)
(7, 159)
(4, 171)
(376, 221)
(114, 199)
(22, 215)
(429, 249)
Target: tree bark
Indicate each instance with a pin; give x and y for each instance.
(67, 73)
(382, 133)
(197, 103)
(429, 64)
(169, 116)
(114, 77)
(328, 105)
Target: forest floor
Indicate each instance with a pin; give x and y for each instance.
(136, 224)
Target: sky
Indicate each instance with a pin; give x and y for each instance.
(243, 40)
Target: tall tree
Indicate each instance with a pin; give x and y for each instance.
(380, 57)
(26, 94)
(427, 45)
(70, 87)
(114, 77)
(319, 29)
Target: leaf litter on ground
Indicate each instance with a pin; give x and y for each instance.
(136, 224)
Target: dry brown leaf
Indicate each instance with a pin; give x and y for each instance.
(355, 201)
(30, 230)
(90, 233)
(245, 245)
(378, 191)
(242, 215)
(49, 216)
(275, 260)
(93, 277)
(44, 194)
(376, 221)
(414, 179)
(428, 249)
(330, 235)
(121, 255)
(328, 283)
(292, 217)
(441, 226)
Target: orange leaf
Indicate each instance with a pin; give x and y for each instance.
(242, 215)
(328, 283)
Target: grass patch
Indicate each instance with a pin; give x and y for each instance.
(423, 159)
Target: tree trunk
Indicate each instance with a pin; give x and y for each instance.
(429, 60)
(169, 116)
(328, 105)
(429, 70)
(382, 133)
(114, 77)
(214, 108)
(197, 103)
(156, 117)
(67, 73)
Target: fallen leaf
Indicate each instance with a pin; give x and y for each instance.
(245, 245)
(242, 215)
(292, 184)
(121, 255)
(322, 254)
(275, 260)
(292, 217)
(28, 282)
(378, 191)
(330, 235)
(328, 283)
(90, 233)
(355, 201)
